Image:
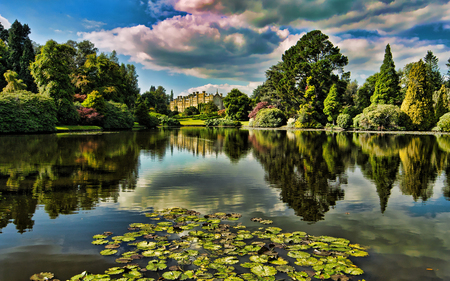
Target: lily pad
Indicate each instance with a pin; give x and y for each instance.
(249, 264)
(233, 278)
(99, 242)
(108, 252)
(285, 268)
(299, 276)
(263, 270)
(99, 236)
(189, 274)
(132, 274)
(266, 221)
(42, 276)
(114, 270)
(172, 275)
(354, 271)
(279, 261)
(227, 260)
(298, 254)
(156, 265)
(308, 262)
(259, 259)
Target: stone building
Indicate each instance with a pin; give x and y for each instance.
(196, 98)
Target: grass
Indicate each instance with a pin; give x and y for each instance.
(191, 122)
(68, 128)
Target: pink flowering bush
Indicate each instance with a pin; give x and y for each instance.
(79, 97)
(89, 116)
(258, 107)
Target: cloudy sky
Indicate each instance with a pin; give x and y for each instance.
(195, 45)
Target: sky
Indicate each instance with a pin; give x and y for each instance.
(197, 45)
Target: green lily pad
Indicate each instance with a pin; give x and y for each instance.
(354, 271)
(357, 253)
(155, 265)
(114, 270)
(249, 264)
(211, 246)
(204, 275)
(108, 252)
(244, 236)
(273, 230)
(132, 274)
(233, 278)
(202, 261)
(279, 261)
(263, 270)
(299, 276)
(42, 276)
(266, 222)
(165, 223)
(99, 236)
(189, 274)
(298, 254)
(249, 277)
(144, 245)
(259, 259)
(308, 262)
(172, 275)
(227, 260)
(99, 242)
(285, 268)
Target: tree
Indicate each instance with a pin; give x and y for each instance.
(191, 110)
(418, 102)
(142, 115)
(442, 105)
(332, 105)
(448, 73)
(52, 73)
(171, 95)
(387, 88)
(362, 98)
(433, 71)
(25, 60)
(3, 33)
(3, 63)
(237, 105)
(210, 107)
(14, 84)
(313, 56)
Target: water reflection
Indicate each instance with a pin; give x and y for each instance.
(69, 173)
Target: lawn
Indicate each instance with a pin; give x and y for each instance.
(191, 122)
(67, 128)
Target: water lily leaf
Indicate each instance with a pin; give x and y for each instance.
(211, 246)
(221, 275)
(165, 223)
(319, 245)
(263, 270)
(297, 247)
(233, 278)
(260, 259)
(339, 277)
(202, 261)
(227, 260)
(277, 239)
(123, 260)
(171, 275)
(152, 253)
(198, 233)
(114, 270)
(112, 246)
(217, 266)
(354, 271)
(279, 261)
(308, 262)
(357, 253)
(299, 275)
(285, 268)
(249, 276)
(79, 276)
(108, 252)
(266, 222)
(132, 274)
(99, 236)
(273, 230)
(151, 215)
(320, 275)
(156, 265)
(189, 274)
(99, 242)
(298, 254)
(144, 245)
(42, 276)
(204, 275)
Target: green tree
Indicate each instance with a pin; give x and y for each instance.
(418, 102)
(237, 105)
(210, 107)
(14, 84)
(3, 63)
(52, 73)
(25, 60)
(433, 71)
(448, 73)
(307, 115)
(387, 89)
(142, 115)
(3, 33)
(313, 56)
(362, 98)
(442, 105)
(332, 105)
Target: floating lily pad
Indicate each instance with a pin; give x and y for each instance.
(308, 262)
(299, 275)
(266, 221)
(357, 253)
(172, 275)
(298, 254)
(260, 259)
(114, 270)
(99, 242)
(112, 246)
(249, 264)
(132, 274)
(233, 278)
(156, 265)
(263, 270)
(249, 276)
(279, 261)
(227, 260)
(285, 268)
(354, 271)
(108, 252)
(42, 276)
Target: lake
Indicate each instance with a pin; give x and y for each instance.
(389, 192)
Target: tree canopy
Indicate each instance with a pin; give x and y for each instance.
(387, 89)
(237, 105)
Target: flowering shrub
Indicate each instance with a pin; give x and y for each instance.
(258, 107)
(222, 113)
(79, 97)
(89, 116)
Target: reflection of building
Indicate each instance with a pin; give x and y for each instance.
(195, 99)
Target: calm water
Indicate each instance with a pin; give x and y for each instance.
(389, 192)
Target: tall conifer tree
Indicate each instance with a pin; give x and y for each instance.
(433, 72)
(418, 102)
(387, 89)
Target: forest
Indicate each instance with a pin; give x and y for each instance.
(75, 84)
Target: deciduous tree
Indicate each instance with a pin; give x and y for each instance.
(332, 105)
(237, 105)
(14, 84)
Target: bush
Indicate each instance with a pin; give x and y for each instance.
(306, 118)
(26, 112)
(191, 110)
(258, 107)
(89, 116)
(222, 112)
(169, 121)
(269, 117)
(344, 120)
(117, 117)
(381, 117)
(222, 122)
(143, 116)
(444, 123)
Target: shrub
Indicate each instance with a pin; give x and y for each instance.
(26, 112)
(222, 122)
(117, 117)
(269, 117)
(444, 123)
(258, 107)
(143, 116)
(169, 121)
(344, 120)
(79, 97)
(222, 112)
(191, 110)
(89, 116)
(381, 117)
(306, 118)
(66, 112)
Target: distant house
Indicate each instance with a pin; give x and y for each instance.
(196, 98)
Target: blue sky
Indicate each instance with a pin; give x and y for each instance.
(195, 45)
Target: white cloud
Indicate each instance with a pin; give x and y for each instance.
(5, 22)
(222, 88)
(91, 24)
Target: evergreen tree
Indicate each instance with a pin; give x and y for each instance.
(418, 102)
(387, 89)
(171, 95)
(25, 60)
(332, 104)
(433, 71)
(448, 73)
(3, 63)
(441, 106)
(3, 33)
(362, 98)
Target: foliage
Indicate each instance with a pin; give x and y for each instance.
(332, 105)
(362, 99)
(3, 62)
(269, 117)
(209, 107)
(381, 117)
(237, 105)
(307, 116)
(442, 106)
(158, 99)
(222, 112)
(387, 87)
(418, 103)
(344, 120)
(169, 121)
(191, 110)
(258, 107)
(89, 116)
(52, 70)
(443, 124)
(143, 116)
(25, 112)
(433, 72)
(222, 122)
(313, 56)
(117, 117)
(14, 84)
(95, 100)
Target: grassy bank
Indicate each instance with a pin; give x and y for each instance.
(67, 128)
